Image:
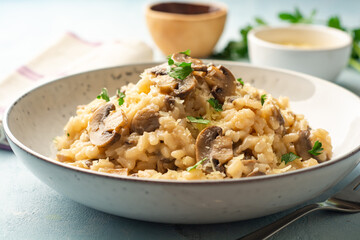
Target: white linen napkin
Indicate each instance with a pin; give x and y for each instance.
(71, 54)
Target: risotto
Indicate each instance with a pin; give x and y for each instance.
(185, 120)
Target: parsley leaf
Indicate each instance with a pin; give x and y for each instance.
(215, 104)
(187, 52)
(240, 81)
(289, 157)
(355, 64)
(196, 164)
(297, 16)
(236, 49)
(198, 120)
(260, 21)
(68, 134)
(317, 148)
(170, 61)
(104, 95)
(334, 22)
(181, 71)
(121, 97)
(263, 99)
(356, 35)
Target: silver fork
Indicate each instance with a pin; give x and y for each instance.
(347, 200)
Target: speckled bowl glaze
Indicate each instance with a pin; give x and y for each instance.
(39, 115)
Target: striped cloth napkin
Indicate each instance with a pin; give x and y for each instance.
(71, 54)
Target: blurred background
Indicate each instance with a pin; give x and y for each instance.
(28, 27)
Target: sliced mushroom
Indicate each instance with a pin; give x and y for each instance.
(256, 172)
(221, 82)
(185, 87)
(303, 145)
(280, 119)
(145, 120)
(158, 70)
(197, 64)
(214, 148)
(169, 103)
(166, 84)
(105, 125)
(163, 165)
(88, 163)
(222, 149)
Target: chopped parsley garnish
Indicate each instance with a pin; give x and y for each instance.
(215, 104)
(181, 71)
(317, 148)
(196, 164)
(289, 157)
(121, 96)
(240, 81)
(198, 120)
(187, 52)
(68, 134)
(170, 61)
(104, 95)
(263, 99)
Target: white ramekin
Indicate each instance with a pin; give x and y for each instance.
(325, 54)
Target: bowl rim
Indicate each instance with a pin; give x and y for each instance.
(300, 27)
(65, 166)
(221, 12)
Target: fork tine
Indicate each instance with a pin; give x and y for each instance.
(357, 187)
(350, 192)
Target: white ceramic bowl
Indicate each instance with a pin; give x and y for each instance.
(316, 50)
(36, 117)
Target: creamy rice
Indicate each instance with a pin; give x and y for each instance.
(151, 135)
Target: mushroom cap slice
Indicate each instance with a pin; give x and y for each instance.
(163, 165)
(105, 125)
(196, 64)
(185, 87)
(221, 82)
(215, 148)
(145, 120)
(158, 70)
(303, 145)
(280, 119)
(169, 103)
(222, 149)
(166, 84)
(205, 140)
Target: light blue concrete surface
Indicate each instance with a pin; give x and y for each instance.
(31, 210)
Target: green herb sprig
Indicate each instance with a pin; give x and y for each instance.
(121, 97)
(317, 149)
(289, 157)
(215, 104)
(240, 81)
(196, 164)
(181, 70)
(104, 95)
(198, 120)
(263, 99)
(187, 52)
(297, 16)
